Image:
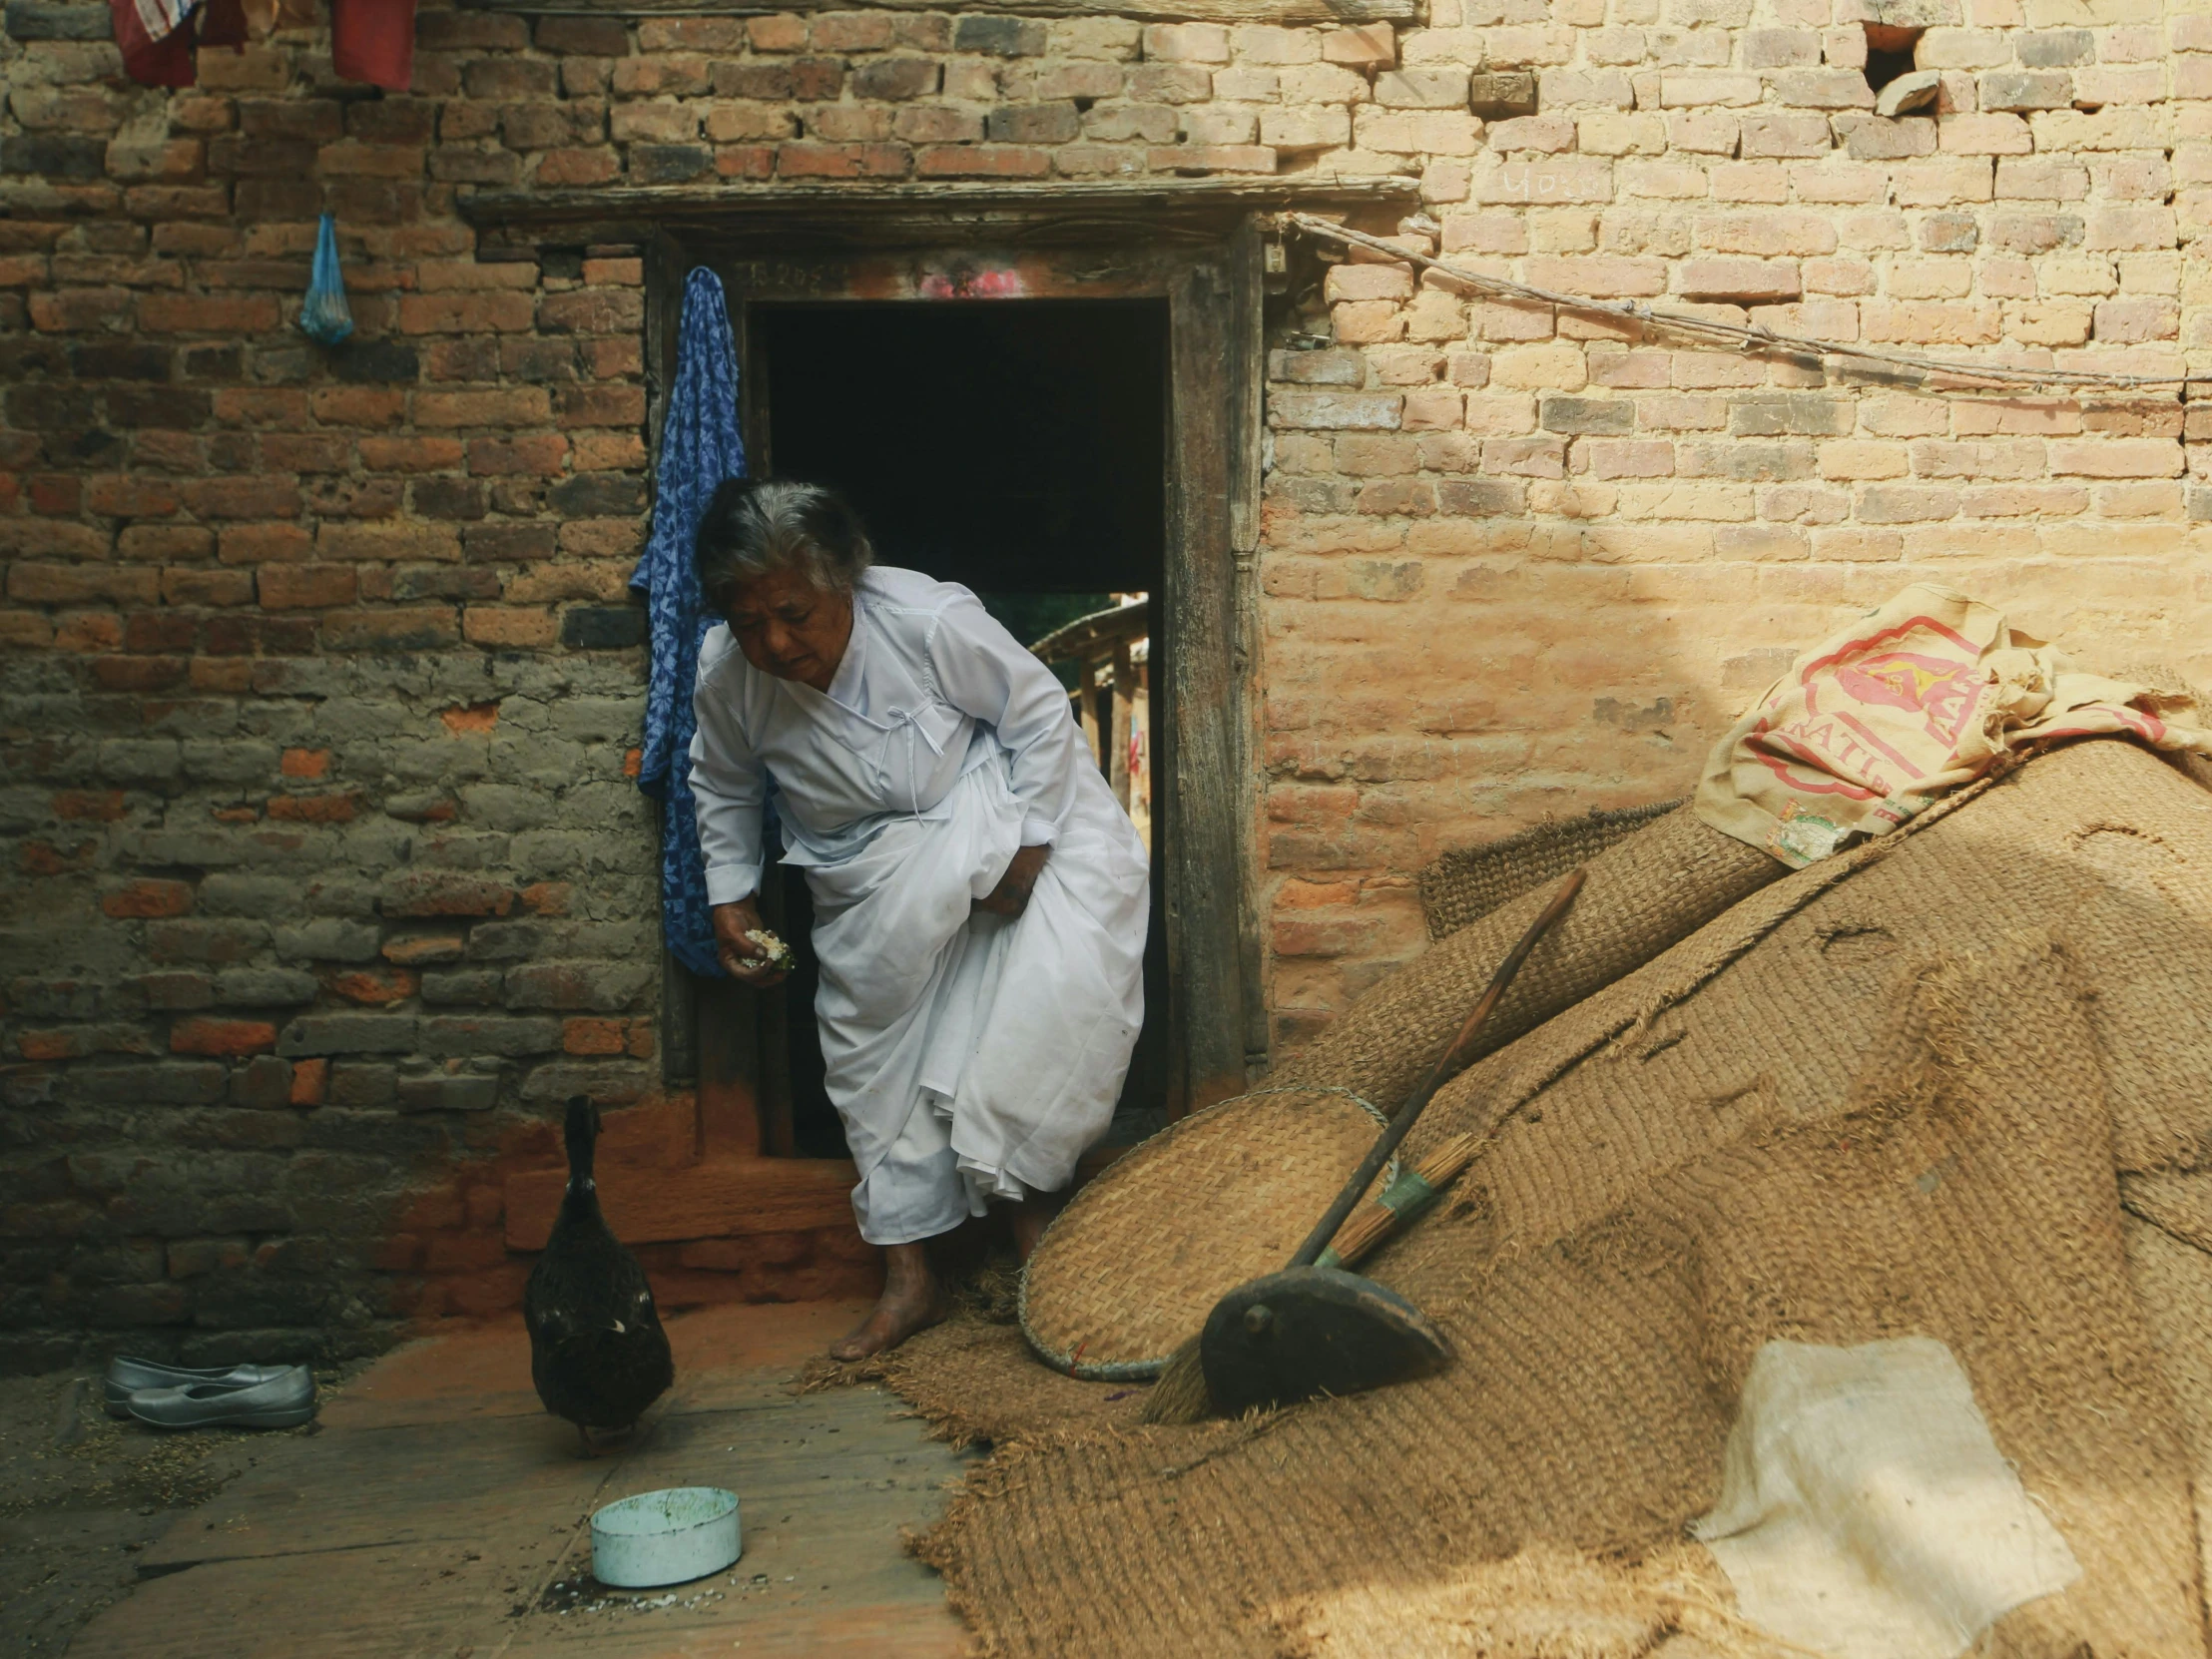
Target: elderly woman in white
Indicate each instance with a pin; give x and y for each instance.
(979, 897)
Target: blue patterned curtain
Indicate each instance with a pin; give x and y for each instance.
(699, 447)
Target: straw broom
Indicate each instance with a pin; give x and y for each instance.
(1182, 1394)
(1402, 1203)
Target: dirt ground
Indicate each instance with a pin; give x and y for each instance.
(442, 1511)
(81, 1495)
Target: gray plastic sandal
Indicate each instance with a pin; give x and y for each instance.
(126, 1377)
(286, 1401)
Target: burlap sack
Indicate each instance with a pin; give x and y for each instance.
(1887, 1096)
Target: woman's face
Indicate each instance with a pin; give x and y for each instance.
(787, 627)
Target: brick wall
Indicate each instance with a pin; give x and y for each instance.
(1521, 562)
(326, 876)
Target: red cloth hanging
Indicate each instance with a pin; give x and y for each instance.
(373, 41)
(167, 61)
(163, 62)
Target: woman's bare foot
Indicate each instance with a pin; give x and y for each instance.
(1033, 1212)
(912, 1301)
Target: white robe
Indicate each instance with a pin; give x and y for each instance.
(971, 1056)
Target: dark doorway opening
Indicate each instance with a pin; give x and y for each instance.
(1018, 447)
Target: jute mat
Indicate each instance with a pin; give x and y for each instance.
(1545, 1603)
(1894, 1094)
(2174, 1279)
(1467, 883)
(1644, 893)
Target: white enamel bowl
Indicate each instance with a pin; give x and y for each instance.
(664, 1537)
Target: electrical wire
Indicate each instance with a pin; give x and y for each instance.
(1750, 336)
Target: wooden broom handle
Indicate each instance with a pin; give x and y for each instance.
(1448, 1066)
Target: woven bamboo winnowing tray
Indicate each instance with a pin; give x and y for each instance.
(1135, 1263)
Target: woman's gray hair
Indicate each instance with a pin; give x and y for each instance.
(753, 527)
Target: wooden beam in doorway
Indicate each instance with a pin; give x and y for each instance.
(1244, 368)
(1193, 11)
(1117, 729)
(715, 1200)
(786, 216)
(1214, 341)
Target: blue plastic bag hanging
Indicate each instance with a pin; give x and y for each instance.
(325, 317)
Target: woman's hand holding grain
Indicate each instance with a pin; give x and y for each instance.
(745, 959)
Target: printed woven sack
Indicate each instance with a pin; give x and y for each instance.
(1924, 695)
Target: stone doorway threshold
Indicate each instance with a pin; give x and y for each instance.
(442, 1514)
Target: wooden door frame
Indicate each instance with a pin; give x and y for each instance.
(1211, 288)
(1200, 245)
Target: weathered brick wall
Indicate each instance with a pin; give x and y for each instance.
(1522, 563)
(325, 875)
(323, 685)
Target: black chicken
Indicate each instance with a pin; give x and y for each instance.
(598, 1353)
